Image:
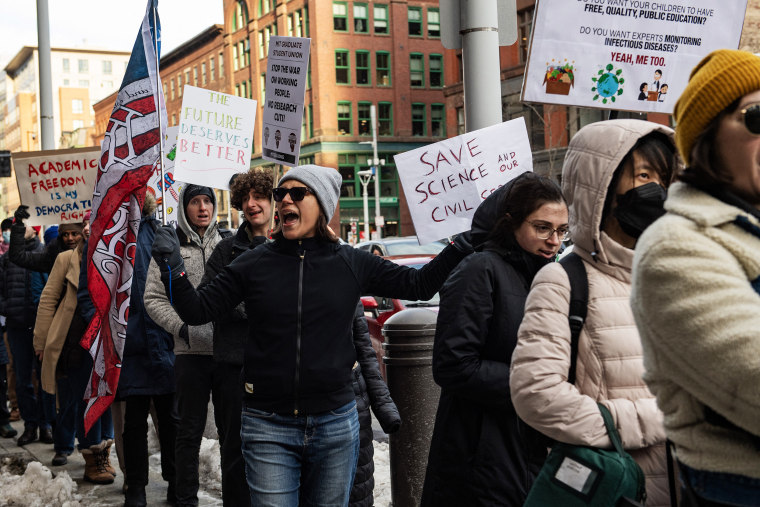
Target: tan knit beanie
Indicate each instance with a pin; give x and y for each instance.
(719, 79)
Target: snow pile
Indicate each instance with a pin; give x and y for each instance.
(38, 488)
(210, 465)
(382, 491)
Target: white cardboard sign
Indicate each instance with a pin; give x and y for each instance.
(633, 55)
(57, 185)
(287, 66)
(445, 182)
(215, 137)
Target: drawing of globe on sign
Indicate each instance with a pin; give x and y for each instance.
(608, 84)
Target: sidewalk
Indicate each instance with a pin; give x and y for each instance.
(91, 494)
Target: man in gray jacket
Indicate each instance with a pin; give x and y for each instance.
(193, 345)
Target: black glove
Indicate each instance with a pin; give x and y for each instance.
(462, 242)
(21, 214)
(184, 333)
(166, 252)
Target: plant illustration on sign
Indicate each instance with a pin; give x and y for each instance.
(608, 84)
(559, 78)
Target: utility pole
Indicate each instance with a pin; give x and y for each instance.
(376, 170)
(47, 127)
(364, 177)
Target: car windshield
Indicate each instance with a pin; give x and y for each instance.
(411, 247)
(434, 301)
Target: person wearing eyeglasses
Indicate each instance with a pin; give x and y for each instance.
(299, 426)
(614, 177)
(481, 453)
(696, 286)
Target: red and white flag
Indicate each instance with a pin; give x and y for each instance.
(129, 154)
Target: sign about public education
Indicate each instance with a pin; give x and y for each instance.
(215, 137)
(445, 182)
(57, 185)
(287, 65)
(166, 188)
(632, 55)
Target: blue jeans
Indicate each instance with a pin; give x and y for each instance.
(24, 363)
(718, 489)
(300, 460)
(102, 429)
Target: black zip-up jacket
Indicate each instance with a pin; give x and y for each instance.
(300, 298)
(38, 260)
(230, 330)
(16, 297)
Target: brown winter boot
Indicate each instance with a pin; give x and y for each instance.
(94, 471)
(106, 457)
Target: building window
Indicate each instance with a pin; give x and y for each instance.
(311, 121)
(416, 69)
(381, 18)
(241, 16)
(166, 90)
(106, 66)
(460, 121)
(195, 75)
(204, 77)
(384, 119)
(418, 119)
(362, 68)
(211, 68)
(66, 65)
(512, 108)
(303, 125)
(344, 118)
(360, 18)
(174, 118)
(84, 66)
(77, 124)
(84, 83)
(437, 120)
(171, 89)
(237, 90)
(263, 84)
(340, 17)
(436, 71)
(524, 22)
(66, 82)
(415, 21)
(108, 84)
(247, 52)
(187, 76)
(77, 107)
(364, 117)
(383, 68)
(342, 67)
(221, 65)
(433, 22)
(179, 85)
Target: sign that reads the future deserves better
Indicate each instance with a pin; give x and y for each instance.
(287, 66)
(215, 137)
(633, 55)
(57, 185)
(445, 182)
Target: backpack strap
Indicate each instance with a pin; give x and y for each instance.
(612, 431)
(576, 272)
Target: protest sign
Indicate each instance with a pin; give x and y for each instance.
(215, 137)
(57, 185)
(171, 188)
(445, 182)
(287, 65)
(633, 55)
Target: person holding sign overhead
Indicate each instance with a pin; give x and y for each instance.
(300, 294)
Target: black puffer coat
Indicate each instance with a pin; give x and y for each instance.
(17, 300)
(41, 259)
(371, 391)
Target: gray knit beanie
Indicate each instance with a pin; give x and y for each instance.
(324, 181)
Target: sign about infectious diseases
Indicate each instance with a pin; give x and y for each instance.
(632, 55)
(445, 182)
(57, 185)
(166, 188)
(215, 137)
(287, 67)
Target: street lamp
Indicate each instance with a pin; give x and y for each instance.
(365, 177)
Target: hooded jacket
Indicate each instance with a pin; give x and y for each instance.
(609, 365)
(696, 299)
(195, 252)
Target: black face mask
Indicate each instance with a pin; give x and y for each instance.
(638, 208)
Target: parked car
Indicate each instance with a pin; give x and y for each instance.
(406, 245)
(379, 309)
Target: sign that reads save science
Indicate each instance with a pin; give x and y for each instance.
(633, 55)
(445, 182)
(215, 137)
(287, 65)
(57, 185)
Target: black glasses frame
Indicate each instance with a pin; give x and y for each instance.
(296, 193)
(751, 117)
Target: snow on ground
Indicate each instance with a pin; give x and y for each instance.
(38, 488)
(382, 490)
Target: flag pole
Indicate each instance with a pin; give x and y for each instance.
(162, 183)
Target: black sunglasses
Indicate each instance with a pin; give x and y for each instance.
(296, 193)
(751, 115)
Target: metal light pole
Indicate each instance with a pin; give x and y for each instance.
(364, 177)
(376, 170)
(47, 125)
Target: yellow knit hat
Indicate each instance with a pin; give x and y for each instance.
(719, 79)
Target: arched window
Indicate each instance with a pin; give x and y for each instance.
(240, 19)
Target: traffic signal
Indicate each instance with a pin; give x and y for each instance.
(5, 164)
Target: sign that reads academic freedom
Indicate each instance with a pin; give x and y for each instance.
(633, 55)
(215, 137)
(287, 65)
(57, 185)
(445, 182)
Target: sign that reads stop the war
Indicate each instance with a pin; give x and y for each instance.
(57, 185)
(445, 182)
(215, 137)
(287, 65)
